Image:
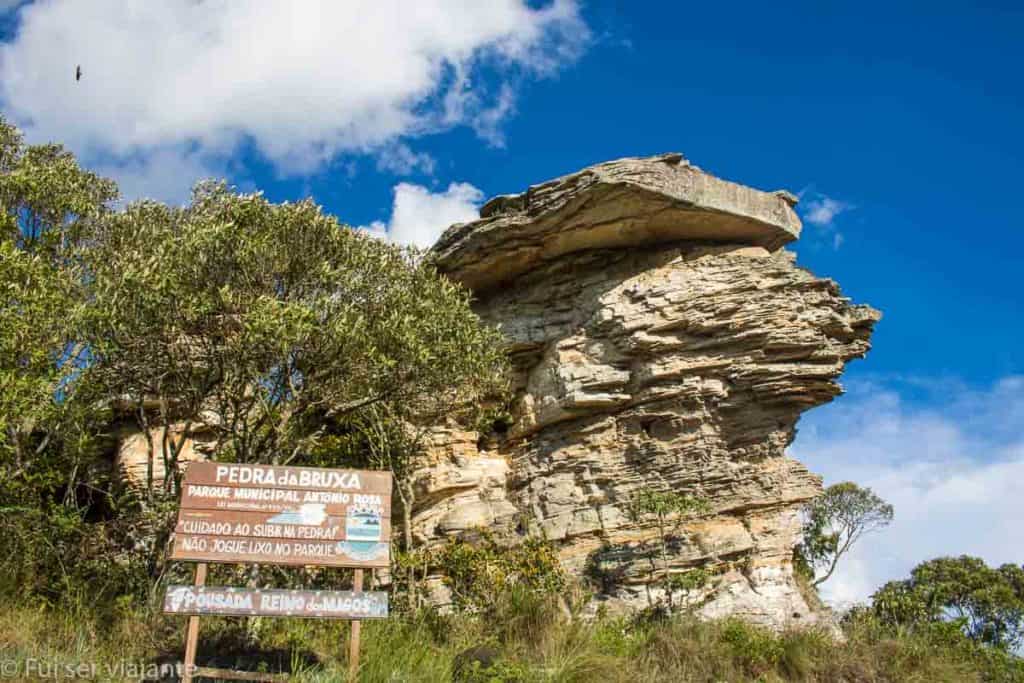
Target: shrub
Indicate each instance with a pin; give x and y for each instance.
(486, 575)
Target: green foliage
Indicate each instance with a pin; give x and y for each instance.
(53, 555)
(480, 574)
(986, 603)
(666, 506)
(897, 604)
(50, 477)
(45, 197)
(46, 201)
(833, 523)
(758, 650)
(36, 302)
(689, 580)
(618, 636)
(670, 511)
(295, 339)
(276, 324)
(499, 672)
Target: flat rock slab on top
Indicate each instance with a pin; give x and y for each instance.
(615, 204)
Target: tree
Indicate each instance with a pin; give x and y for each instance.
(46, 201)
(294, 339)
(277, 328)
(669, 510)
(834, 522)
(987, 603)
(48, 417)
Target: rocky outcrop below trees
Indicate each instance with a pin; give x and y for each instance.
(662, 339)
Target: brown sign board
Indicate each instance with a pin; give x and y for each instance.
(243, 602)
(284, 515)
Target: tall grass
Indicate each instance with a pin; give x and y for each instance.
(525, 639)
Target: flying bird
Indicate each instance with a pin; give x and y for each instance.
(78, 72)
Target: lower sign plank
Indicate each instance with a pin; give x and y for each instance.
(203, 600)
(204, 548)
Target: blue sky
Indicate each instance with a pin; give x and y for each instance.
(899, 126)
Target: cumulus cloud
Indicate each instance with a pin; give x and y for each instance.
(419, 216)
(950, 458)
(298, 82)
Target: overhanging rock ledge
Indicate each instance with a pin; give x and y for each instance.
(620, 203)
(661, 338)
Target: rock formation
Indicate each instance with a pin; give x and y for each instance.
(661, 339)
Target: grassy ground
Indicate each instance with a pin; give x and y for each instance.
(529, 641)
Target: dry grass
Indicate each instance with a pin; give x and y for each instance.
(530, 641)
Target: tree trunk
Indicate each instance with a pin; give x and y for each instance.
(407, 497)
(150, 451)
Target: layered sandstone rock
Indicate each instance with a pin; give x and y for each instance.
(661, 339)
(138, 458)
(137, 461)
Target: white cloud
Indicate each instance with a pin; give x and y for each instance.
(163, 174)
(300, 82)
(950, 461)
(401, 160)
(419, 216)
(488, 122)
(821, 211)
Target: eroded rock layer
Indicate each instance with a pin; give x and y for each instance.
(661, 340)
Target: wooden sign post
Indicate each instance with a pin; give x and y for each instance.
(300, 516)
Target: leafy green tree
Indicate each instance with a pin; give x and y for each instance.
(46, 201)
(295, 339)
(48, 417)
(986, 602)
(834, 522)
(276, 327)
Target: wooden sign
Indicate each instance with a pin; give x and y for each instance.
(279, 515)
(284, 515)
(336, 527)
(242, 602)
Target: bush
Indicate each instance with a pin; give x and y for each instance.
(485, 576)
